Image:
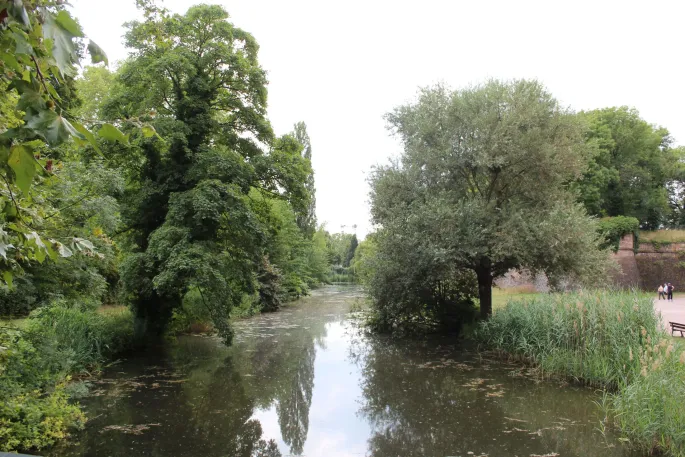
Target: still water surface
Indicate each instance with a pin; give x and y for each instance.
(306, 381)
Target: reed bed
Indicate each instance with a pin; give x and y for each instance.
(610, 340)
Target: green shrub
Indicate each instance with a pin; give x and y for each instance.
(76, 340)
(340, 274)
(192, 311)
(615, 228)
(586, 336)
(75, 279)
(34, 411)
(35, 419)
(35, 364)
(249, 306)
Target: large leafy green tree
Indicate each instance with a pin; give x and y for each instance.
(481, 186)
(630, 165)
(676, 189)
(93, 88)
(190, 219)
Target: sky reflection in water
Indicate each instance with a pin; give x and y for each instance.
(307, 381)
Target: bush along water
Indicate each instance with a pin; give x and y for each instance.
(609, 340)
(37, 362)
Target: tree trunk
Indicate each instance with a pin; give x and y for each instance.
(484, 274)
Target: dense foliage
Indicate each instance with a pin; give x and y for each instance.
(188, 213)
(39, 49)
(629, 169)
(36, 361)
(480, 188)
(615, 228)
(159, 185)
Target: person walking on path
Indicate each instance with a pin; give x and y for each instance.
(661, 292)
(670, 291)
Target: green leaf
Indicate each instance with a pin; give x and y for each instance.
(64, 19)
(148, 131)
(10, 61)
(7, 276)
(40, 255)
(97, 55)
(9, 210)
(63, 47)
(21, 45)
(3, 249)
(17, 11)
(88, 135)
(111, 133)
(15, 228)
(64, 251)
(31, 101)
(23, 164)
(81, 244)
(53, 127)
(41, 250)
(49, 247)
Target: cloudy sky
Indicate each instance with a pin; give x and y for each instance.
(339, 66)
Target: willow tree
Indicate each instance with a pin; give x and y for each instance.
(482, 186)
(192, 227)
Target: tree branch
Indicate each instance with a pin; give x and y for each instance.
(9, 188)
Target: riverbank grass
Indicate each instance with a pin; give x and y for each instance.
(500, 297)
(663, 236)
(606, 339)
(38, 356)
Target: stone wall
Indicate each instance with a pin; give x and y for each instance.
(644, 267)
(627, 275)
(649, 264)
(661, 263)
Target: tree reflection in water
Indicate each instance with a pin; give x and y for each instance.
(418, 398)
(428, 398)
(295, 400)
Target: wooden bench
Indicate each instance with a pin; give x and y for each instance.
(676, 327)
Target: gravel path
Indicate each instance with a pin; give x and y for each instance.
(672, 311)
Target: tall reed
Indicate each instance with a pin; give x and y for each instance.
(606, 339)
(650, 411)
(592, 337)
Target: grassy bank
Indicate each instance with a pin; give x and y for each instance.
(500, 297)
(38, 359)
(608, 340)
(663, 236)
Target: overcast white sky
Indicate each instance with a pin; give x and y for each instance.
(339, 66)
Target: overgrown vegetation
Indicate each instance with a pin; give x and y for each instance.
(586, 336)
(615, 228)
(609, 340)
(38, 360)
(159, 185)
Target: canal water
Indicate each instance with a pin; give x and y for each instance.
(308, 381)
